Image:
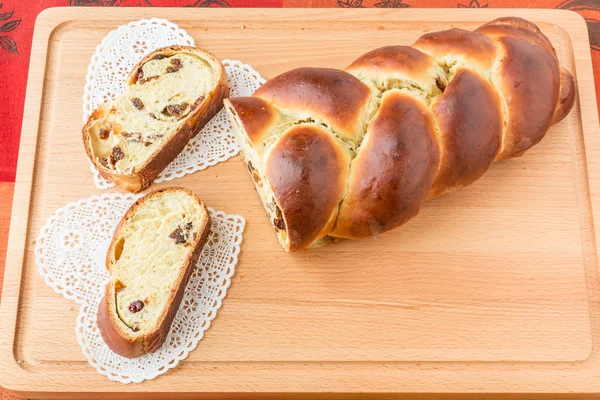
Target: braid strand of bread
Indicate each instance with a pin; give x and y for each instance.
(351, 154)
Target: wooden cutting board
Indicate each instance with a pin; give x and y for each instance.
(493, 289)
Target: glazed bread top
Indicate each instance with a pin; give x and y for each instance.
(159, 94)
(355, 153)
(149, 253)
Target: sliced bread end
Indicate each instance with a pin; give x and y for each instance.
(151, 258)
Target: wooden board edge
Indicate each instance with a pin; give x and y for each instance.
(12, 375)
(586, 94)
(588, 114)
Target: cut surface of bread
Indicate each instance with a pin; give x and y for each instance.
(151, 257)
(170, 95)
(139, 121)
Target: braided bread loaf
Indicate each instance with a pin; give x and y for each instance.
(354, 153)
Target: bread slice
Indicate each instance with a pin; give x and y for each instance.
(170, 95)
(151, 258)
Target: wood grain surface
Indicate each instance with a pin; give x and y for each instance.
(493, 289)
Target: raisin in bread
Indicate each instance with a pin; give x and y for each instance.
(170, 95)
(151, 258)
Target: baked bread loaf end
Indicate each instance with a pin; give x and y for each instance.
(170, 95)
(151, 258)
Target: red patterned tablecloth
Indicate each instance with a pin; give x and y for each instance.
(17, 18)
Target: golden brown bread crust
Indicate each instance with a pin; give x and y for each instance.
(258, 114)
(307, 171)
(394, 60)
(331, 95)
(479, 49)
(393, 171)
(469, 119)
(203, 112)
(491, 93)
(531, 94)
(518, 28)
(122, 342)
(566, 99)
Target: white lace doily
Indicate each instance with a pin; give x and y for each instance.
(70, 253)
(121, 49)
